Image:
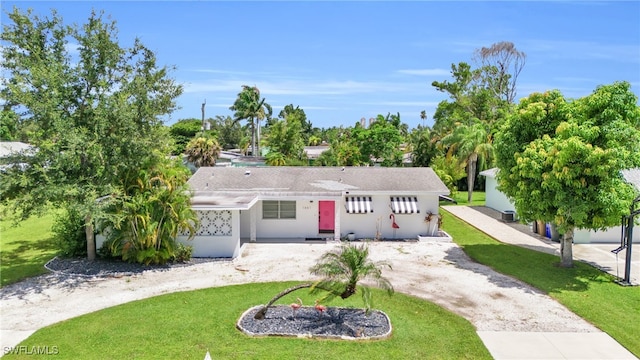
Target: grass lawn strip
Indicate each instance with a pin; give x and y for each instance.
(590, 293)
(188, 324)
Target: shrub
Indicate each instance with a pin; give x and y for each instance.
(68, 234)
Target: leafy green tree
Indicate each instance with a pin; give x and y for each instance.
(203, 151)
(8, 126)
(285, 136)
(472, 146)
(449, 169)
(380, 141)
(182, 132)
(229, 132)
(572, 177)
(306, 127)
(422, 148)
(249, 106)
(93, 113)
(150, 214)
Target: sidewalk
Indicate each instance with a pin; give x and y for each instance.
(543, 345)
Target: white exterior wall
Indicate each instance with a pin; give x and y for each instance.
(495, 199)
(411, 225)
(224, 245)
(611, 235)
(305, 225)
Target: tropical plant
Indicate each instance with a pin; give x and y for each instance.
(148, 216)
(276, 158)
(202, 151)
(423, 149)
(249, 106)
(449, 170)
(472, 145)
(341, 271)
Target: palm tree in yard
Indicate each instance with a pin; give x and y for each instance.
(472, 144)
(341, 270)
(249, 106)
(203, 151)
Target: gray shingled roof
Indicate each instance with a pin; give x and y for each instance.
(316, 180)
(632, 176)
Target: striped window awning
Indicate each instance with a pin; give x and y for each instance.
(404, 204)
(358, 204)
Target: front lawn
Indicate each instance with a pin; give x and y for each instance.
(186, 325)
(590, 293)
(25, 249)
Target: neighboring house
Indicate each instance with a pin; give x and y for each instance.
(8, 148)
(310, 203)
(494, 198)
(313, 152)
(497, 200)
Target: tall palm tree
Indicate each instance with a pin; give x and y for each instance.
(472, 144)
(423, 116)
(249, 106)
(203, 151)
(341, 271)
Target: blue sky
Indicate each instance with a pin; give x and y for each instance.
(341, 61)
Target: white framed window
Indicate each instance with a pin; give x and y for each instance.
(278, 209)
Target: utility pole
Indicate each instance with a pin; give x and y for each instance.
(203, 104)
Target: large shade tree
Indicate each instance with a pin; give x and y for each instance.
(92, 108)
(561, 161)
(250, 106)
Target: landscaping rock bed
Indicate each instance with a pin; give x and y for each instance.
(334, 323)
(113, 267)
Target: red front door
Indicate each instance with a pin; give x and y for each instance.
(326, 216)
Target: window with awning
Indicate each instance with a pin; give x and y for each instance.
(404, 204)
(358, 204)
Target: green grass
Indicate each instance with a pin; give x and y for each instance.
(186, 325)
(25, 249)
(585, 290)
(477, 199)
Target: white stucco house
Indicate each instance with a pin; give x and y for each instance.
(497, 200)
(265, 204)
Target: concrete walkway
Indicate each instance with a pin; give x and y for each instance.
(543, 345)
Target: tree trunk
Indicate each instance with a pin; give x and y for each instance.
(258, 136)
(253, 138)
(91, 239)
(566, 249)
(262, 312)
(471, 176)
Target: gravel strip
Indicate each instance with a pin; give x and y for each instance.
(114, 268)
(334, 323)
